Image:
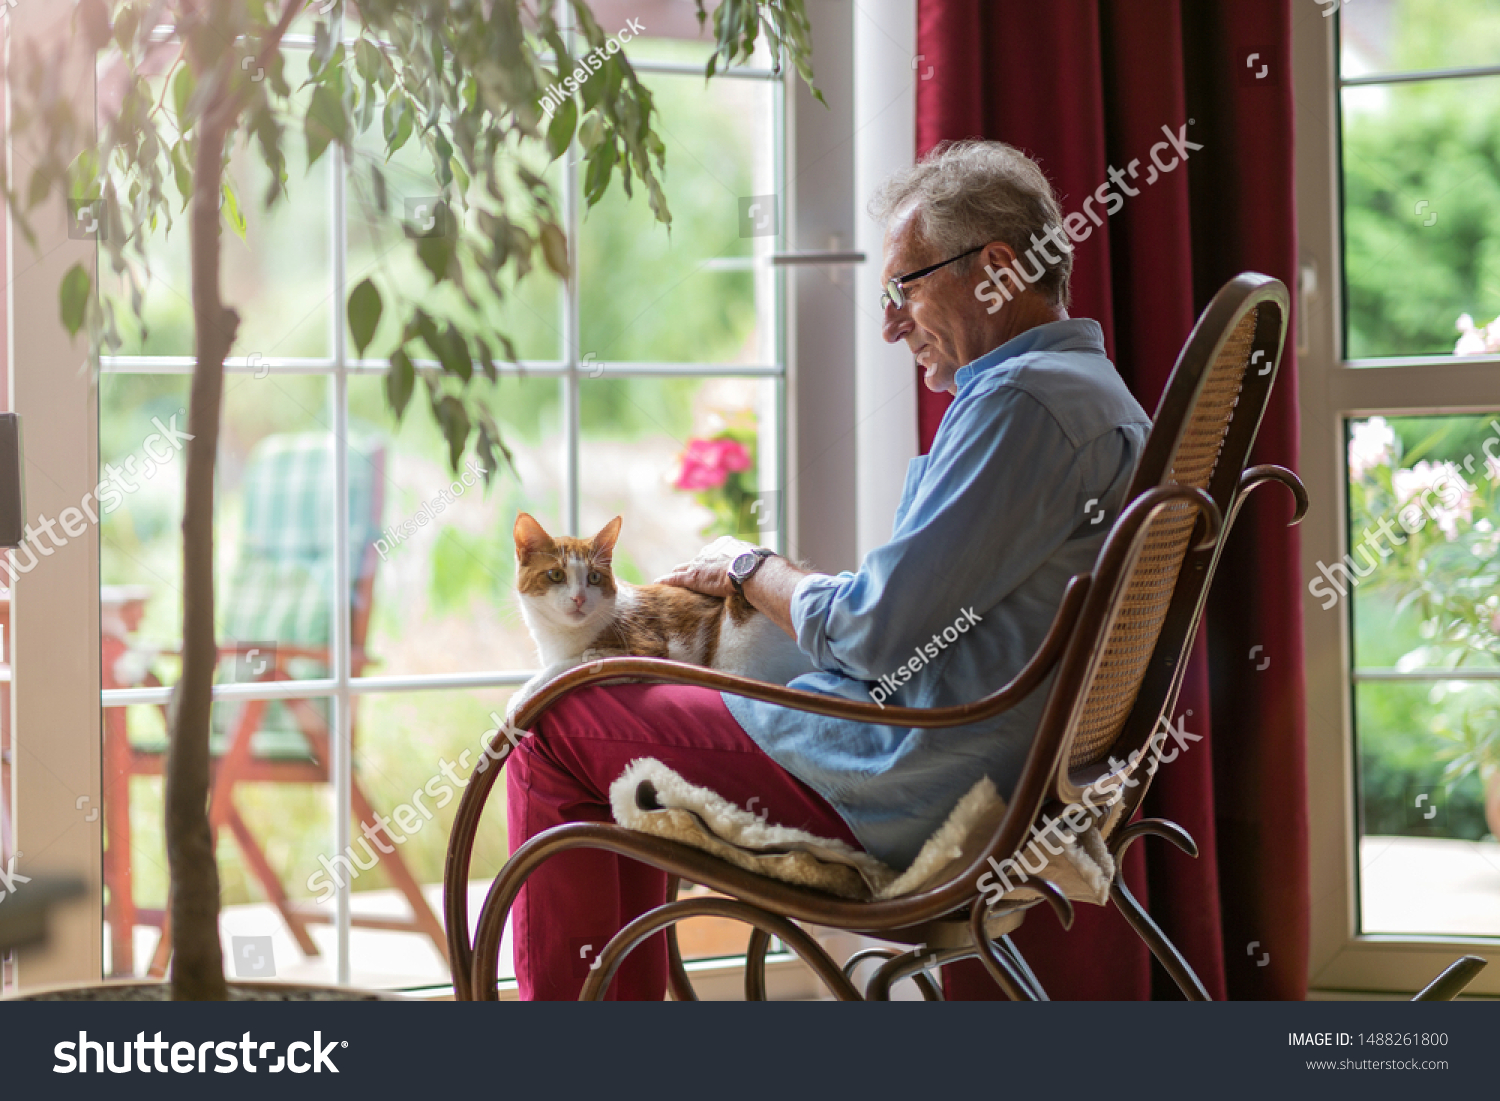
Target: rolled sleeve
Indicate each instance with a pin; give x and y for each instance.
(997, 498)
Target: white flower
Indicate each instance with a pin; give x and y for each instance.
(1440, 490)
(1372, 443)
(1476, 341)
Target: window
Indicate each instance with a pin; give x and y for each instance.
(1399, 388)
(364, 590)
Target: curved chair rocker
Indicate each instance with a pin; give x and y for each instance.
(1117, 646)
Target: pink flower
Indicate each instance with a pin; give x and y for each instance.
(707, 463)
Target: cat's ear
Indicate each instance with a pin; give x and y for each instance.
(531, 537)
(604, 542)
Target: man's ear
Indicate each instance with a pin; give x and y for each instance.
(531, 537)
(998, 255)
(604, 542)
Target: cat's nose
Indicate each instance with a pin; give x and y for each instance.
(578, 600)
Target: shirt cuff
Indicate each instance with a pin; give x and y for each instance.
(810, 600)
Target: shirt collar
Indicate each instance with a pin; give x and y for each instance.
(1075, 334)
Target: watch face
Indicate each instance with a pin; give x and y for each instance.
(743, 564)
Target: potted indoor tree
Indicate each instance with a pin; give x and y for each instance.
(474, 83)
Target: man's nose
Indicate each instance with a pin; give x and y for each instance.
(895, 324)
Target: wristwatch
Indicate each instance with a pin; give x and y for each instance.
(743, 566)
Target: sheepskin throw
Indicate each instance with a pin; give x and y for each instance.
(652, 798)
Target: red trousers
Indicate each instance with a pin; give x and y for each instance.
(572, 905)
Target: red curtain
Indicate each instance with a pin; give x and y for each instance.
(1085, 86)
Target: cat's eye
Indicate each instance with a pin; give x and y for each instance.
(594, 577)
(557, 577)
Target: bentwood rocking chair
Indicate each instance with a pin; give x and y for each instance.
(1118, 646)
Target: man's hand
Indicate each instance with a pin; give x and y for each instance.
(708, 573)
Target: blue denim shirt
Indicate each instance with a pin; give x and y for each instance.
(1028, 470)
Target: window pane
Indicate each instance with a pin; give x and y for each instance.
(1428, 857)
(683, 461)
(665, 32)
(277, 816)
(1385, 36)
(1423, 569)
(1424, 561)
(273, 525)
(696, 294)
(443, 597)
(380, 248)
(279, 278)
(1421, 217)
(402, 743)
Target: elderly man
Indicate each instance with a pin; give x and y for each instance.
(1036, 450)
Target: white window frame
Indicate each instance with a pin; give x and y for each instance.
(56, 615)
(1331, 389)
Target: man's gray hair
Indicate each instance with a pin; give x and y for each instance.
(968, 193)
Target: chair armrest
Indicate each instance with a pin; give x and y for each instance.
(662, 671)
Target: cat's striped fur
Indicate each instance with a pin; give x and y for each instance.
(578, 612)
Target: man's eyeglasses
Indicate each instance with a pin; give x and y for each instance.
(895, 289)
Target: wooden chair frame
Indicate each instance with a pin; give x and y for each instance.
(1188, 488)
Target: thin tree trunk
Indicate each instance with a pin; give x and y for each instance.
(198, 964)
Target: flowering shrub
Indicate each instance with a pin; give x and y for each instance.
(716, 469)
(1444, 562)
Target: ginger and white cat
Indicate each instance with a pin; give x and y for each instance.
(577, 612)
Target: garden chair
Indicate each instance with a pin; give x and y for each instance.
(276, 628)
(1118, 647)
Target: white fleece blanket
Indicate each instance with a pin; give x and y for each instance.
(652, 798)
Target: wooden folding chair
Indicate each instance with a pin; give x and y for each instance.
(277, 616)
(1118, 647)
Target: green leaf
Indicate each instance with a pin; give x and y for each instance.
(382, 199)
(182, 91)
(74, 298)
(364, 314)
(601, 163)
(232, 210)
(456, 358)
(454, 420)
(436, 254)
(591, 131)
(367, 60)
(560, 132)
(182, 172)
(126, 21)
(322, 48)
(400, 380)
(325, 121)
(555, 249)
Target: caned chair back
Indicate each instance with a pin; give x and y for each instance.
(1201, 437)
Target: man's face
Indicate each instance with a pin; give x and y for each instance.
(935, 319)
